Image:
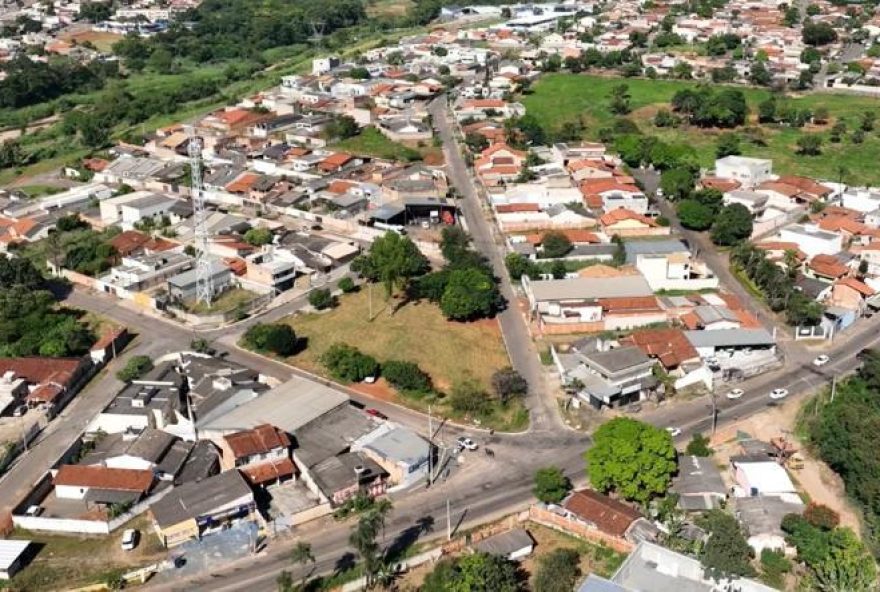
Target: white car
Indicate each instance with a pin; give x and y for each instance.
(674, 432)
(129, 539)
(735, 394)
(467, 443)
(34, 511)
(779, 393)
(821, 360)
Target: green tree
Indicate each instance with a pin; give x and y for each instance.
(619, 100)
(848, 567)
(809, 145)
(518, 266)
(817, 34)
(349, 364)
(393, 260)
(774, 566)
(476, 572)
(277, 338)
(467, 396)
(759, 75)
(302, 555)
(767, 110)
(258, 236)
(727, 553)
(161, 61)
(677, 183)
(632, 458)
(555, 244)
(551, 485)
(321, 298)
(733, 224)
(694, 215)
(135, 367)
(699, 446)
(469, 294)
(557, 571)
(342, 127)
(728, 145)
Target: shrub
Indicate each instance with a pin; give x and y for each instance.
(135, 368)
(699, 446)
(321, 298)
(276, 338)
(508, 383)
(551, 485)
(822, 516)
(349, 364)
(406, 376)
(347, 285)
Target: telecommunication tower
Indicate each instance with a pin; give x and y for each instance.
(204, 279)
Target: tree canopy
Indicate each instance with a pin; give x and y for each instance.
(393, 260)
(727, 553)
(551, 485)
(733, 224)
(31, 325)
(277, 338)
(476, 572)
(632, 458)
(706, 107)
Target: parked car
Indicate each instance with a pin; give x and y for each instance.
(821, 360)
(129, 539)
(674, 432)
(779, 393)
(467, 443)
(735, 394)
(370, 379)
(375, 413)
(33, 511)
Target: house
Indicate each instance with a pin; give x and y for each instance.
(812, 240)
(137, 273)
(262, 454)
(499, 163)
(609, 516)
(850, 294)
(675, 271)
(142, 451)
(698, 484)
(274, 268)
(138, 207)
(196, 508)
(651, 567)
(624, 222)
(826, 267)
(182, 287)
(40, 382)
(761, 477)
(669, 346)
(13, 555)
(339, 478)
(513, 544)
(753, 201)
(609, 378)
(402, 453)
(761, 517)
(103, 486)
(749, 172)
(862, 200)
(150, 402)
(734, 348)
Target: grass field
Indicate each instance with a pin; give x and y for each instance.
(416, 332)
(388, 8)
(561, 98)
(371, 142)
(102, 40)
(227, 301)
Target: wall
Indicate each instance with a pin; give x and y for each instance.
(650, 231)
(312, 513)
(544, 517)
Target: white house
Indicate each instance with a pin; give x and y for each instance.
(748, 171)
(812, 240)
(860, 199)
(675, 271)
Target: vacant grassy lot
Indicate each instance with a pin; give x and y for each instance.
(371, 142)
(65, 562)
(416, 332)
(227, 301)
(562, 98)
(387, 8)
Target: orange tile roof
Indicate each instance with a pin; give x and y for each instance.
(38, 370)
(845, 223)
(782, 188)
(860, 287)
(259, 440)
(605, 271)
(335, 161)
(517, 207)
(242, 183)
(610, 516)
(129, 241)
(670, 346)
(602, 185)
(340, 186)
(805, 184)
(620, 214)
(99, 477)
(827, 266)
(485, 104)
(629, 304)
(722, 185)
(269, 471)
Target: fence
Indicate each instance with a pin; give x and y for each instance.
(762, 229)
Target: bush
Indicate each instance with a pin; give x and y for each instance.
(468, 397)
(135, 368)
(774, 566)
(699, 446)
(406, 376)
(321, 298)
(347, 285)
(276, 338)
(822, 516)
(349, 364)
(551, 485)
(557, 571)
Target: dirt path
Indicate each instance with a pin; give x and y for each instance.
(816, 479)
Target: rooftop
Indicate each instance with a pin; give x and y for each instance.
(588, 288)
(505, 543)
(730, 338)
(618, 359)
(259, 440)
(609, 515)
(199, 498)
(103, 478)
(338, 472)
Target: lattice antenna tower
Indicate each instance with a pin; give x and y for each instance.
(204, 279)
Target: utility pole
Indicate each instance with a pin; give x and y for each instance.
(448, 522)
(833, 387)
(714, 413)
(430, 449)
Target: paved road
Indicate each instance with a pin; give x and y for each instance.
(541, 401)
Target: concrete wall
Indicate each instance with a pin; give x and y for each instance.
(576, 528)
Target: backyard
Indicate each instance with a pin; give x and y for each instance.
(226, 302)
(371, 142)
(417, 332)
(558, 99)
(70, 561)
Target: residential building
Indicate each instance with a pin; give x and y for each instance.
(102, 486)
(149, 402)
(402, 453)
(762, 477)
(513, 545)
(675, 271)
(40, 382)
(182, 287)
(262, 454)
(499, 163)
(138, 273)
(812, 240)
(625, 223)
(595, 510)
(755, 203)
(761, 517)
(612, 378)
(197, 508)
(698, 484)
(749, 172)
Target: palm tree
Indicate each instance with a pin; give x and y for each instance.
(302, 555)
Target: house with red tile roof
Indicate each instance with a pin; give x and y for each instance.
(850, 294)
(609, 516)
(262, 454)
(669, 346)
(624, 222)
(336, 162)
(499, 163)
(50, 382)
(96, 484)
(827, 267)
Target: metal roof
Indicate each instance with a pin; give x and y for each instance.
(730, 338)
(585, 288)
(10, 551)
